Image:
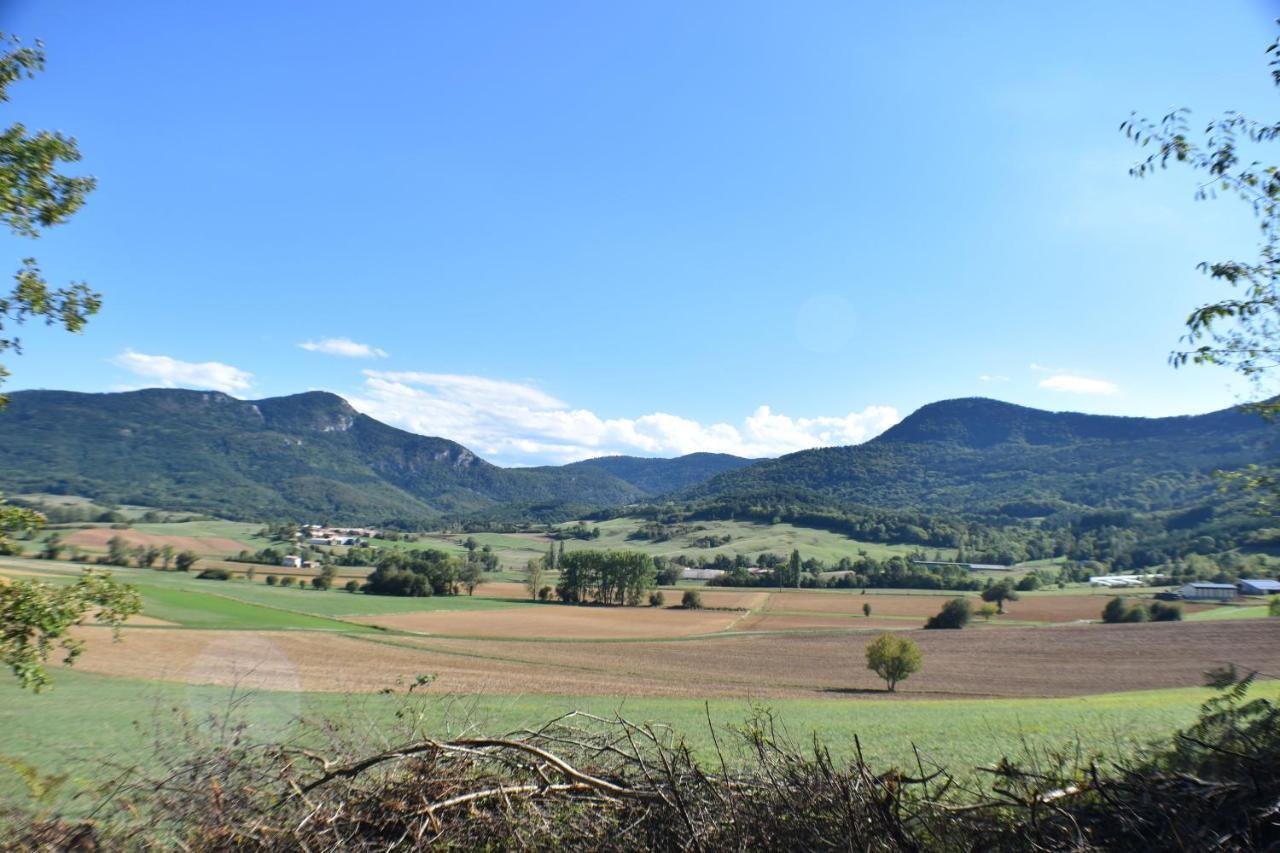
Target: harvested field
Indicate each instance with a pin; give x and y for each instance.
(98, 537)
(1029, 608)
(813, 622)
(726, 599)
(500, 589)
(554, 621)
(1065, 660)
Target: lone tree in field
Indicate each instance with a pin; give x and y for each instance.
(893, 659)
(533, 571)
(866, 609)
(999, 593)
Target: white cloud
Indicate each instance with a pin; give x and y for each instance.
(1079, 385)
(511, 422)
(172, 373)
(989, 377)
(344, 347)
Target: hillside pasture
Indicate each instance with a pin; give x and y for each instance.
(747, 538)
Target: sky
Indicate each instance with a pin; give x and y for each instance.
(559, 230)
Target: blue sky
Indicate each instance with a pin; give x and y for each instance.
(557, 230)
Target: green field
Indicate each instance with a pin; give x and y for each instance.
(238, 604)
(129, 716)
(1232, 611)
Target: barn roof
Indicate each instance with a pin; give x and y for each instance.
(1262, 583)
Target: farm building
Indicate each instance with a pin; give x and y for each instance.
(701, 574)
(1121, 580)
(1258, 587)
(1199, 591)
(291, 561)
(972, 567)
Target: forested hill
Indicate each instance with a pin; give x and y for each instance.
(660, 476)
(303, 456)
(980, 455)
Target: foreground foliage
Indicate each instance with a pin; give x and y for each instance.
(585, 782)
(36, 618)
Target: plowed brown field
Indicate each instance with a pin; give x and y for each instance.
(1055, 661)
(1030, 607)
(555, 621)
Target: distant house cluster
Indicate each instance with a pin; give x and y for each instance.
(317, 534)
(320, 534)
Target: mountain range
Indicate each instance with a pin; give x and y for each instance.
(306, 455)
(312, 456)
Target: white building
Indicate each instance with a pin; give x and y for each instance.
(291, 561)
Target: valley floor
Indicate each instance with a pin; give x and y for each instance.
(1037, 674)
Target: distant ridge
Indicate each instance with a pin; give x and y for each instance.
(659, 476)
(307, 455)
(982, 455)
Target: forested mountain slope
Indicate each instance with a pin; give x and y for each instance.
(306, 455)
(980, 455)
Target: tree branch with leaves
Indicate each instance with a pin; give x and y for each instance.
(35, 195)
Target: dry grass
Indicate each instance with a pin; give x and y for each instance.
(97, 539)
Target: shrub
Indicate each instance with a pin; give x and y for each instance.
(352, 586)
(214, 575)
(1273, 606)
(287, 580)
(1161, 612)
(321, 582)
(272, 580)
(893, 658)
(1118, 611)
(691, 600)
(544, 593)
(954, 614)
(986, 611)
(866, 609)
(657, 599)
(1114, 611)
